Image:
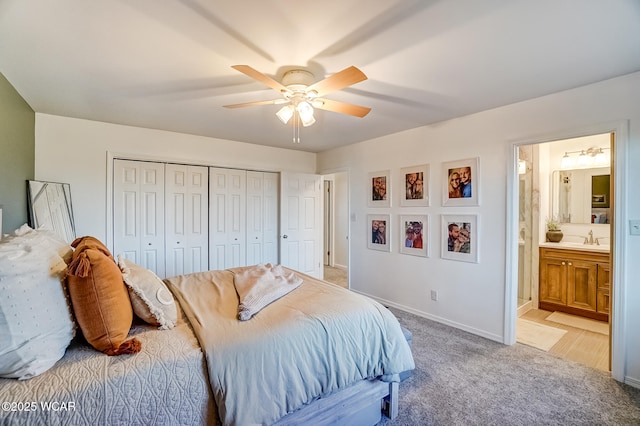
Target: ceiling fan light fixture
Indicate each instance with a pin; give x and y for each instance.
(285, 113)
(305, 110)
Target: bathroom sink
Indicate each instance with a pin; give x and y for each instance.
(602, 248)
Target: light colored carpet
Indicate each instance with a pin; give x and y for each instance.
(336, 275)
(580, 322)
(537, 335)
(464, 379)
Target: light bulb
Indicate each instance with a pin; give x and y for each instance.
(305, 110)
(583, 160)
(566, 162)
(285, 113)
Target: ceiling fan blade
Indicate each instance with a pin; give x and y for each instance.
(337, 81)
(262, 78)
(246, 104)
(341, 107)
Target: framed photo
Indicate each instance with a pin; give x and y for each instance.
(379, 232)
(460, 237)
(378, 189)
(413, 233)
(415, 186)
(461, 183)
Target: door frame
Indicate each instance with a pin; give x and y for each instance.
(341, 170)
(327, 222)
(619, 166)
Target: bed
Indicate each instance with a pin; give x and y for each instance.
(318, 355)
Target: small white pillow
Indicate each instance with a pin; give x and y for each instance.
(150, 298)
(36, 324)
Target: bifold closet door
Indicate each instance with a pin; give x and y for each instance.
(262, 218)
(227, 218)
(138, 213)
(187, 220)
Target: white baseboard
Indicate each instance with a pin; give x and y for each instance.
(435, 318)
(632, 382)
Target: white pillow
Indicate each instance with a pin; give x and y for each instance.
(36, 323)
(150, 298)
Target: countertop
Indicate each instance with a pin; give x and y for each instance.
(577, 246)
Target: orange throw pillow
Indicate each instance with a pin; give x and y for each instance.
(100, 299)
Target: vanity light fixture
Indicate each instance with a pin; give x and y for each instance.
(585, 158)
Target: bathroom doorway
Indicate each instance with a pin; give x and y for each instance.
(336, 228)
(563, 292)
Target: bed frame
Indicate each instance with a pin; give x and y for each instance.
(361, 404)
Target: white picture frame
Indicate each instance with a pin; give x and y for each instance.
(464, 194)
(379, 232)
(460, 236)
(414, 186)
(378, 189)
(414, 235)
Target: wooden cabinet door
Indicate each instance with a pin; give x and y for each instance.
(553, 281)
(581, 284)
(603, 300)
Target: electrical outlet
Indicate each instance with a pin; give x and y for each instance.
(634, 227)
(434, 295)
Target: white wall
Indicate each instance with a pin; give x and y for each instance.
(75, 151)
(472, 296)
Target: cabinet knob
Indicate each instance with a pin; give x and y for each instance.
(570, 263)
(285, 236)
(564, 263)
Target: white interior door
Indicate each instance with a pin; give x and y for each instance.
(138, 213)
(301, 223)
(186, 231)
(227, 218)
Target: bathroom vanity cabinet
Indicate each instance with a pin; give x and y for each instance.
(575, 281)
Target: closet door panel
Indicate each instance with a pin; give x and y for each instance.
(138, 206)
(270, 226)
(187, 219)
(228, 212)
(255, 219)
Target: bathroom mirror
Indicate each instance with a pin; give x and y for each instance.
(581, 195)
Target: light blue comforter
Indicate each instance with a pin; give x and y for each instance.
(313, 341)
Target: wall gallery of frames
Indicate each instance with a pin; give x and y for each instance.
(460, 188)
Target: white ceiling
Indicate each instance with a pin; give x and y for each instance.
(167, 64)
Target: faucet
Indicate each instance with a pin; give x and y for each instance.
(589, 240)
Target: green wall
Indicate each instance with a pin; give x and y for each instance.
(17, 155)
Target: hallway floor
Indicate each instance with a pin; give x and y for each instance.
(336, 276)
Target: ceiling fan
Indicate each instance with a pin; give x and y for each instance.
(301, 94)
